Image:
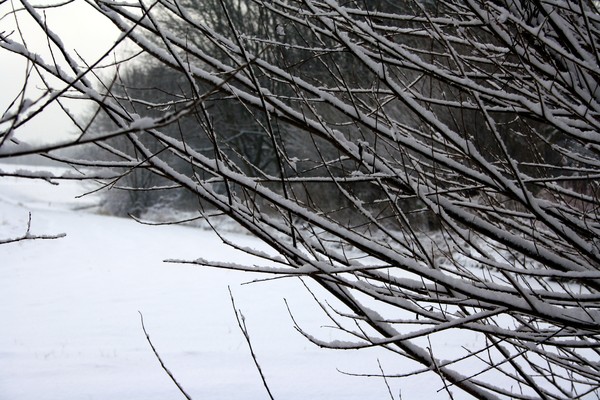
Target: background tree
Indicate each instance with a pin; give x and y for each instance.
(387, 109)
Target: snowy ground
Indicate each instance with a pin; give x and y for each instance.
(71, 328)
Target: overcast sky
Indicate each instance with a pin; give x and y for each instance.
(81, 29)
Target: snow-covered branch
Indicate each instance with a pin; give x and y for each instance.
(433, 165)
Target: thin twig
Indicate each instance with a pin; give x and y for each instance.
(385, 379)
(162, 364)
(29, 236)
(242, 324)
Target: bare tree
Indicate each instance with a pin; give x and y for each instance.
(480, 116)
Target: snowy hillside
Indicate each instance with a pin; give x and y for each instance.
(71, 328)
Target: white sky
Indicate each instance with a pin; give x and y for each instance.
(80, 28)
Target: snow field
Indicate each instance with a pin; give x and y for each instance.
(72, 329)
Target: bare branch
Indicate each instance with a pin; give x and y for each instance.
(162, 364)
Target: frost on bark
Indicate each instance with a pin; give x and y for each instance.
(436, 164)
